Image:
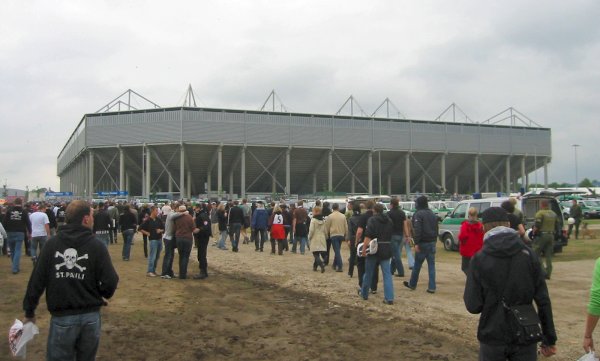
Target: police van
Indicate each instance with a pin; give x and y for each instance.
(529, 204)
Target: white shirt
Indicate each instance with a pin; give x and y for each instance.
(166, 209)
(38, 220)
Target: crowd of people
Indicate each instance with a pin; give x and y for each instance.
(503, 270)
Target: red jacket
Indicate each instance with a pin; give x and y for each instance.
(277, 228)
(470, 237)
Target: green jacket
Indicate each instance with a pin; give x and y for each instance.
(545, 220)
(594, 305)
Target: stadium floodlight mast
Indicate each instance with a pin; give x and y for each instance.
(575, 146)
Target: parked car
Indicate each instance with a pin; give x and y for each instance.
(529, 205)
(566, 208)
(409, 208)
(440, 208)
(590, 208)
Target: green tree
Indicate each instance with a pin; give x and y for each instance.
(586, 183)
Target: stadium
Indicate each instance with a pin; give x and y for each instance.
(187, 151)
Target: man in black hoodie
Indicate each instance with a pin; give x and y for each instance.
(75, 270)
(378, 227)
(425, 234)
(506, 272)
(18, 228)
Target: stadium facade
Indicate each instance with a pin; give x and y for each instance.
(191, 150)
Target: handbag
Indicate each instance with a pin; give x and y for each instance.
(524, 320)
(370, 251)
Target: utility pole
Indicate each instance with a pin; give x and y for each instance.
(575, 146)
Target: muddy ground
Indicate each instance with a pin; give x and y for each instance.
(256, 306)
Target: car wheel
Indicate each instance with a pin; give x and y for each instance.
(448, 242)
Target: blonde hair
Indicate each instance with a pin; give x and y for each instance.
(316, 210)
(473, 213)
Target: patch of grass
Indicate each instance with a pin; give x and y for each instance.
(140, 316)
(592, 221)
(579, 249)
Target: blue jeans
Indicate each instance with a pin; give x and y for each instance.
(155, 247)
(336, 242)
(303, 241)
(35, 241)
(104, 238)
(222, 240)
(167, 266)
(388, 286)
(74, 337)
(127, 238)
(184, 247)
(235, 229)
(427, 252)
(15, 242)
(396, 263)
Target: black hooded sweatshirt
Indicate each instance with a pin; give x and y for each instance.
(75, 270)
(380, 226)
(489, 276)
(424, 222)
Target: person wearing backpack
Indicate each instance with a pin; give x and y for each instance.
(506, 275)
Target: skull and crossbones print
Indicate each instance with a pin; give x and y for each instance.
(70, 259)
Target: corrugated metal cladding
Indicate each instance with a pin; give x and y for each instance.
(201, 130)
(254, 128)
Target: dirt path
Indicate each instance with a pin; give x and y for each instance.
(256, 306)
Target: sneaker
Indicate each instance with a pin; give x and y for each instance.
(407, 285)
(166, 277)
(373, 291)
(388, 302)
(151, 274)
(430, 291)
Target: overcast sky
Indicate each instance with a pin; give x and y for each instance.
(62, 59)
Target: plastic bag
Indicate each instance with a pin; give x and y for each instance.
(590, 356)
(19, 335)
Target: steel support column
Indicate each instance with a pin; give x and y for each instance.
(476, 173)
(220, 170)
(121, 169)
(189, 184)
(243, 173)
(370, 173)
(546, 172)
(523, 174)
(181, 171)
(508, 189)
(231, 184)
(456, 184)
(330, 171)
(287, 172)
(148, 174)
(443, 173)
(407, 173)
(90, 174)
